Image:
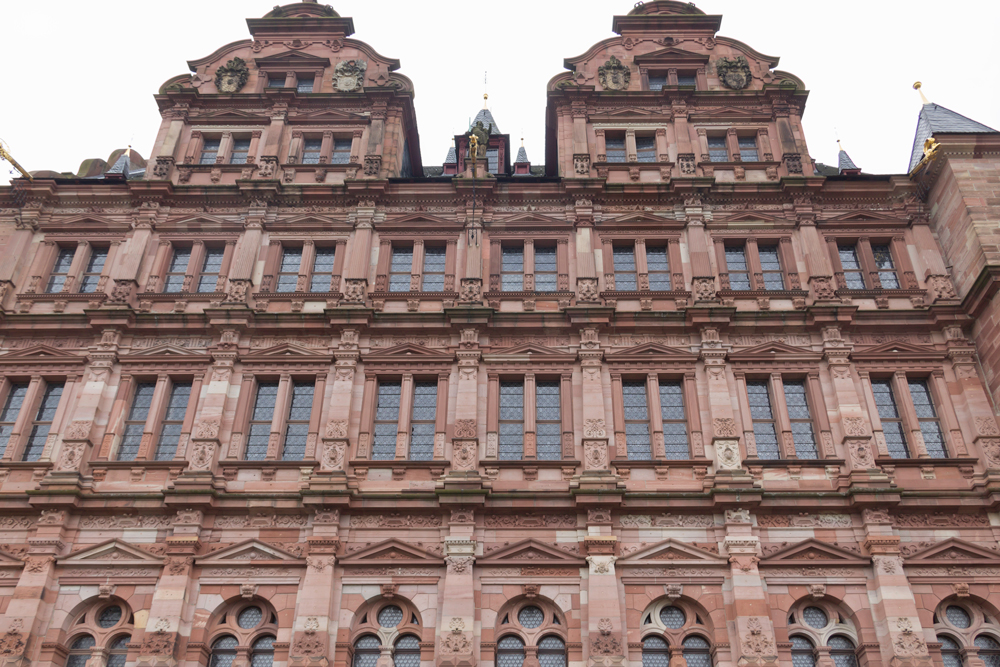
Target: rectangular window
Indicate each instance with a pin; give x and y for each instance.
(512, 268)
(136, 421)
(854, 277)
(886, 269)
(210, 270)
(42, 423)
(658, 268)
(92, 274)
(637, 441)
(288, 272)
(930, 427)
(173, 421)
(615, 148)
(11, 409)
(764, 431)
(241, 150)
(275, 82)
(322, 275)
(209, 151)
(892, 423)
(297, 427)
(173, 282)
(511, 436)
(386, 421)
(399, 269)
(675, 437)
(736, 266)
(304, 83)
(434, 265)
(341, 151)
(770, 264)
(60, 271)
(645, 149)
(492, 160)
(548, 421)
(800, 418)
(312, 149)
(748, 149)
(260, 421)
(717, 151)
(422, 421)
(624, 263)
(657, 82)
(687, 79)
(546, 271)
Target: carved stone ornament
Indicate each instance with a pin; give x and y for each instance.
(157, 643)
(704, 289)
(755, 642)
(12, 644)
(734, 73)
(202, 455)
(336, 428)
(724, 427)
(581, 164)
(460, 564)
(465, 428)
(605, 643)
(595, 454)
(471, 291)
(594, 428)
(613, 75)
(206, 429)
(78, 430)
(729, 454)
(333, 455)
(464, 455)
(231, 77)
(861, 454)
(349, 75)
(586, 290)
(354, 291)
(72, 456)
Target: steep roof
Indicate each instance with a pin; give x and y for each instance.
(452, 157)
(844, 161)
(487, 118)
(522, 155)
(936, 119)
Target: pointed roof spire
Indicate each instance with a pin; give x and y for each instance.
(522, 155)
(845, 163)
(452, 157)
(917, 87)
(936, 119)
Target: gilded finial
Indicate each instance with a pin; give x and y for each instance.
(486, 96)
(917, 87)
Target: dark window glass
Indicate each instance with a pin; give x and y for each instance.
(854, 277)
(842, 651)
(696, 652)
(892, 423)
(386, 421)
(434, 267)
(551, 652)
(390, 616)
(260, 421)
(530, 617)
(11, 409)
(637, 440)
(886, 269)
(655, 652)
(657, 82)
(510, 652)
(60, 270)
(512, 268)
(624, 263)
(43, 422)
(645, 149)
(658, 268)
(511, 436)
(304, 83)
(673, 617)
(250, 618)
(930, 427)
(407, 652)
(276, 82)
(173, 421)
(322, 275)
(79, 652)
(341, 151)
(815, 617)
(241, 150)
(615, 149)
(764, 431)
(210, 270)
(173, 282)
(736, 267)
(262, 653)
(92, 274)
(136, 422)
(989, 650)
(288, 271)
(118, 651)
(803, 652)
(109, 617)
(399, 269)
(687, 80)
(546, 271)
(802, 428)
(958, 617)
(224, 651)
(770, 264)
(366, 651)
(297, 429)
(950, 651)
(210, 151)
(675, 437)
(492, 160)
(748, 149)
(717, 151)
(548, 423)
(311, 148)
(422, 421)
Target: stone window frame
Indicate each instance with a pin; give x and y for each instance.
(982, 624)
(545, 372)
(675, 636)
(407, 378)
(640, 240)
(775, 376)
(653, 375)
(286, 378)
(838, 623)
(530, 241)
(14, 448)
(553, 622)
(672, 77)
(750, 244)
(45, 259)
(731, 134)
(365, 623)
(168, 243)
(274, 252)
(388, 241)
(86, 624)
(862, 243)
(223, 159)
(225, 624)
(631, 162)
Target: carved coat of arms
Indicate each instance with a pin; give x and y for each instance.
(231, 77)
(613, 75)
(349, 75)
(734, 73)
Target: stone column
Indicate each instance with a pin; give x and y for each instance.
(595, 434)
(456, 646)
(586, 262)
(244, 261)
(581, 151)
(702, 278)
(605, 627)
(857, 440)
(725, 436)
(315, 617)
(464, 471)
(15, 253)
(756, 644)
(359, 260)
(471, 291)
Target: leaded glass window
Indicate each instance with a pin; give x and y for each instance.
(262, 653)
(930, 427)
(530, 617)
(637, 440)
(815, 617)
(614, 147)
(687, 79)
(390, 616)
(241, 149)
(552, 652)
(842, 651)
(434, 266)
(511, 436)
(801, 421)
(118, 651)
(950, 651)
(11, 410)
(60, 270)
(510, 652)
(276, 81)
(675, 435)
(322, 274)
(885, 267)
(173, 282)
(136, 421)
(892, 423)
(407, 652)
(79, 652)
(958, 617)
(250, 618)
(645, 149)
(696, 652)
(717, 151)
(655, 652)
(989, 650)
(657, 82)
(493, 160)
(341, 151)
(512, 268)
(288, 271)
(173, 421)
(803, 652)
(297, 428)
(770, 264)
(399, 269)
(312, 149)
(210, 270)
(210, 151)
(672, 617)
(386, 421)
(748, 149)
(366, 651)
(43, 422)
(92, 274)
(736, 267)
(224, 651)
(854, 276)
(548, 421)
(422, 421)
(658, 268)
(109, 616)
(546, 271)
(260, 421)
(624, 263)
(764, 431)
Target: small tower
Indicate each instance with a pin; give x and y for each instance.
(497, 150)
(845, 164)
(450, 166)
(521, 165)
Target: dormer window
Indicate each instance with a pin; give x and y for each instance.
(304, 83)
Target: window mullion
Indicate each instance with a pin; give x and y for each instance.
(306, 266)
(529, 413)
(416, 268)
(655, 416)
(157, 408)
(867, 261)
(753, 264)
(641, 266)
(904, 403)
(75, 272)
(947, 415)
(405, 415)
(779, 407)
(279, 418)
(529, 268)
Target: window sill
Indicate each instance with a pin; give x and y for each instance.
(178, 296)
(529, 294)
(901, 293)
(799, 463)
(660, 463)
(400, 463)
(758, 293)
(179, 463)
(530, 463)
(758, 164)
(26, 465)
(319, 296)
(329, 166)
(267, 463)
(399, 296)
(636, 294)
(63, 296)
(919, 462)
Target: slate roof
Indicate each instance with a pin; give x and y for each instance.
(844, 161)
(826, 170)
(487, 118)
(522, 155)
(452, 157)
(936, 119)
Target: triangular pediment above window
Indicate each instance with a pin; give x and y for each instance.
(531, 552)
(651, 351)
(527, 218)
(283, 350)
(752, 218)
(166, 351)
(392, 551)
(198, 221)
(775, 351)
(886, 352)
(110, 552)
(246, 552)
(646, 219)
(727, 113)
(670, 56)
(861, 216)
(528, 352)
(814, 552)
(672, 551)
(421, 221)
(230, 115)
(41, 353)
(293, 58)
(331, 115)
(311, 220)
(954, 551)
(409, 351)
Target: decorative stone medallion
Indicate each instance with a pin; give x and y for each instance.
(348, 76)
(231, 77)
(613, 75)
(734, 73)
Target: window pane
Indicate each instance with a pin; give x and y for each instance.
(422, 421)
(766, 436)
(511, 427)
(675, 438)
(59, 271)
(658, 268)
(209, 151)
(545, 269)
(615, 149)
(260, 421)
(624, 263)
(637, 440)
(43, 422)
(802, 430)
(645, 149)
(11, 410)
(853, 275)
(173, 420)
(748, 149)
(322, 270)
(886, 269)
(687, 80)
(434, 267)
(717, 151)
(241, 149)
(401, 265)
(386, 421)
(210, 270)
(92, 274)
(548, 425)
(304, 85)
(657, 82)
(771, 266)
(892, 426)
(297, 430)
(512, 268)
(930, 427)
(136, 422)
(341, 151)
(736, 265)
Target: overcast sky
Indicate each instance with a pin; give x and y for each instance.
(81, 75)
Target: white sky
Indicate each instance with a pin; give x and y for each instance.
(81, 75)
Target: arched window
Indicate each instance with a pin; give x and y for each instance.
(407, 652)
(118, 651)
(950, 655)
(696, 651)
(366, 651)
(510, 652)
(390, 616)
(110, 616)
(79, 651)
(552, 652)
(262, 653)
(803, 652)
(989, 650)
(842, 651)
(655, 652)
(224, 651)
